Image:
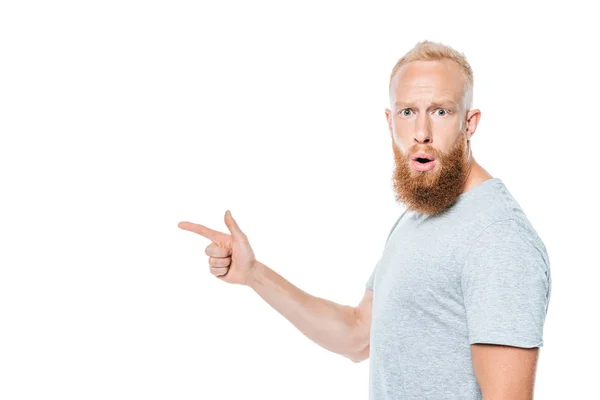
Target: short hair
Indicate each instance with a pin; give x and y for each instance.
(433, 51)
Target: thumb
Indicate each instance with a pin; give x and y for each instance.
(233, 227)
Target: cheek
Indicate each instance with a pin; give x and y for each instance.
(400, 151)
(403, 130)
(401, 143)
(449, 127)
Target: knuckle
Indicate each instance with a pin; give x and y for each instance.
(218, 270)
(219, 262)
(226, 253)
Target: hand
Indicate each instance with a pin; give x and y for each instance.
(231, 258)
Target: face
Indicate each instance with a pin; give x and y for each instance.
(428, 121)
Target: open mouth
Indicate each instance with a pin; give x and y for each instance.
(422, 161)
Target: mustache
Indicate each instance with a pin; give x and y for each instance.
(438, 154)
(425, 149)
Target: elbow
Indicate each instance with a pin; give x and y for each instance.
(361, 342)
(357, 360)
(360, 356)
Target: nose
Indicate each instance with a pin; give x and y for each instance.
(422, 130)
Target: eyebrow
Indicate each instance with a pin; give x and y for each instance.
(436, 103)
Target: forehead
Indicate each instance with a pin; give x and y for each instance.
(418, 79)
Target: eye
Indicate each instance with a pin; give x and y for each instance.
(404, 112)
(444, 112)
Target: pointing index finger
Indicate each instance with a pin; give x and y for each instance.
(200, 229)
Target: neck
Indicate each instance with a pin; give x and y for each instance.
(476, 175)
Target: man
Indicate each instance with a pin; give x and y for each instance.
(455, 307)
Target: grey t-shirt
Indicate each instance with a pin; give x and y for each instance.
(475, 273)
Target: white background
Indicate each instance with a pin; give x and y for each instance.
(118, 119)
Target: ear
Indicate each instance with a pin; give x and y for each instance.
(472, 120)
(388, 117)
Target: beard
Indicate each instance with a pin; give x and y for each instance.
(430, 192)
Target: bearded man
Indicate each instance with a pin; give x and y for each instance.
(456, 304)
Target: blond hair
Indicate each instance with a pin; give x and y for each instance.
(432, 51)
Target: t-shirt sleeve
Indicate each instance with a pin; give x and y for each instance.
(506, 286)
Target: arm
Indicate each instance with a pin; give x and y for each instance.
(506, 290)
(338, 328)
(363, 328)
(341, 329)
(504, 372)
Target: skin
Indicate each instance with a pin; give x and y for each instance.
(428, 113)
(502, 372)
(232, 260)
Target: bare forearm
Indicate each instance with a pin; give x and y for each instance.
(326, 323)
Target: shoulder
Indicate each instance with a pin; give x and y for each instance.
(510, 234)
(394, 226)
(507, 226)
(494, 217)
(506, 285)
(506, 245)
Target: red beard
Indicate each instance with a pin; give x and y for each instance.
(435, 190)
